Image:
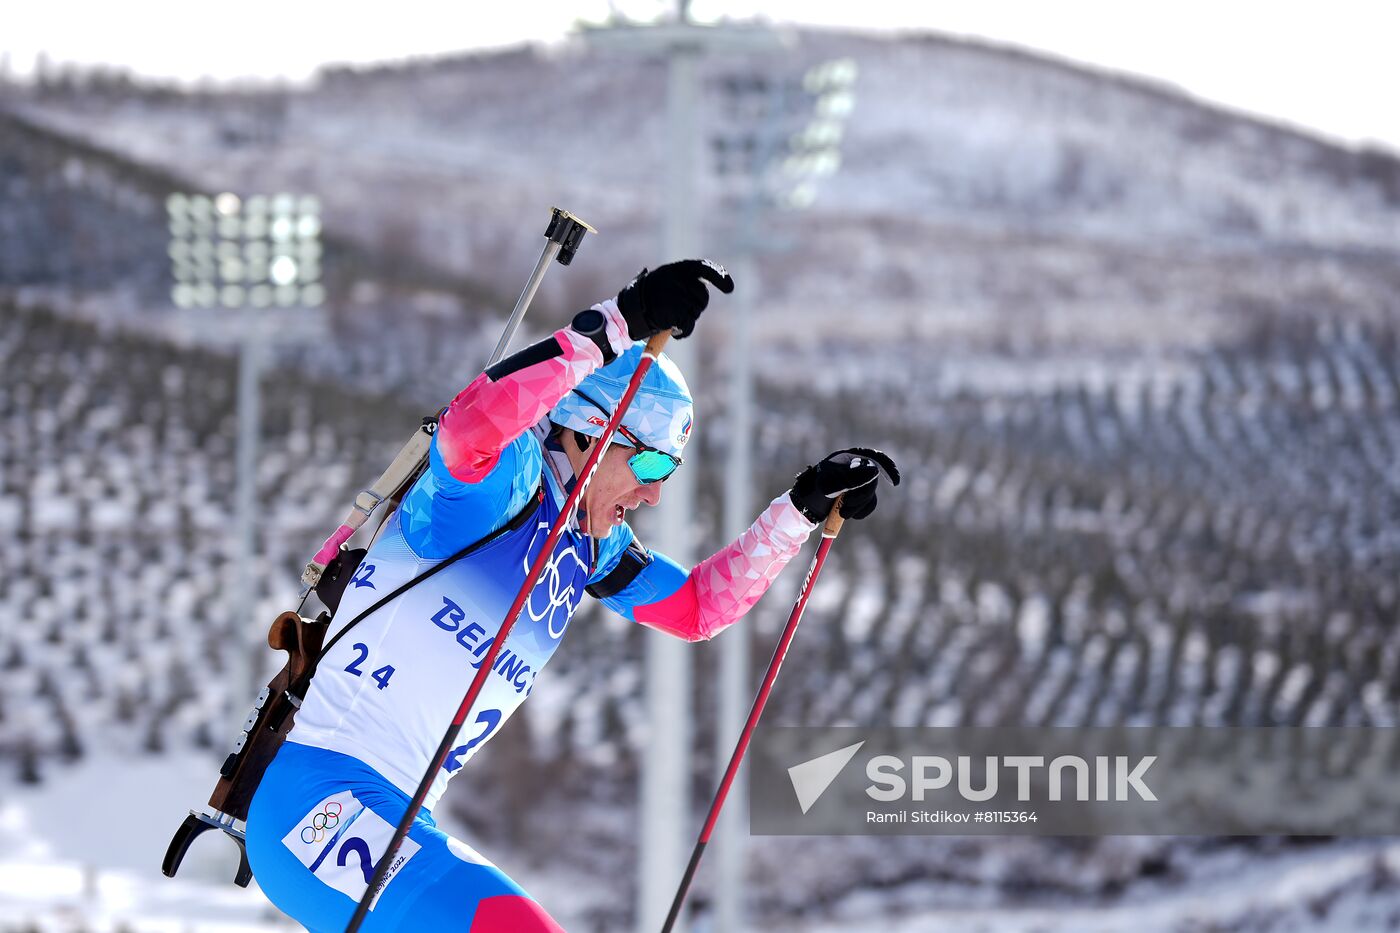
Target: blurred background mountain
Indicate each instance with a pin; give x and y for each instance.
(1136, 354)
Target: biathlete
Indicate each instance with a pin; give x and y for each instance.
(506, 453)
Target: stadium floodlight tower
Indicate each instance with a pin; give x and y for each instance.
(246, 271)
(774, 165)
(665, 777)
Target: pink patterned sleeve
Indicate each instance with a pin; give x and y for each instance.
(724, 586)
(487, 415)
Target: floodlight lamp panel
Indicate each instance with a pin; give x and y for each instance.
(229, 252)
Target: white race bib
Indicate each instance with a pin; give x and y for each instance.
(341, 841)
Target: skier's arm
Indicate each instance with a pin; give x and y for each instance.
(511, 396)
(654, 590)
(506, 400)
(720, 589)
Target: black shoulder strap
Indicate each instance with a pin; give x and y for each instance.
(517, 521)
(631, 563)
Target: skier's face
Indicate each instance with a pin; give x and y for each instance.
(615, 491)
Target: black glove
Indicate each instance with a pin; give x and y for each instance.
(853, 471)
(671, 297)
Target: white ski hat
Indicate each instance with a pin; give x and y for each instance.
(661, 414)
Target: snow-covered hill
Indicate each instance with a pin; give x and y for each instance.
(981, 190)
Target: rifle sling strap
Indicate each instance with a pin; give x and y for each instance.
(298, 689)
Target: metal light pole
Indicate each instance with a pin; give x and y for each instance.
(734, 650)
(733, 686)
(666, 774)
(665, 802)
(245, 504)
(764, 147)
(247, 272)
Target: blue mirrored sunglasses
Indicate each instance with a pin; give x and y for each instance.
(648, 464)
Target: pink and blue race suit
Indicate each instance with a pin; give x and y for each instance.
(384, 695)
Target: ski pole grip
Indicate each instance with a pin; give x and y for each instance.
(656, 343)
(832, 528)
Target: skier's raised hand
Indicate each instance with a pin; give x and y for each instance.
(854, 472)
(670, 297)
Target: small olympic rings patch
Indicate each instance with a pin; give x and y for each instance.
(329, 818)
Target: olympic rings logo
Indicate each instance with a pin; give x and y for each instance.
(328, 819)
(551, 584)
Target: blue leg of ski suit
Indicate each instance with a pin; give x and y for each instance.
(443, 885)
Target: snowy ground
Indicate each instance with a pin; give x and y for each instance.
(87, 845)
(82, 851)
(1341, 889)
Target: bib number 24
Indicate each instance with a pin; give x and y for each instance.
(380, 676)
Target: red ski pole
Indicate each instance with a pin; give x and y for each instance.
(829, 532)
(653, 350)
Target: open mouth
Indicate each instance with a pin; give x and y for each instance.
(619, 513)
